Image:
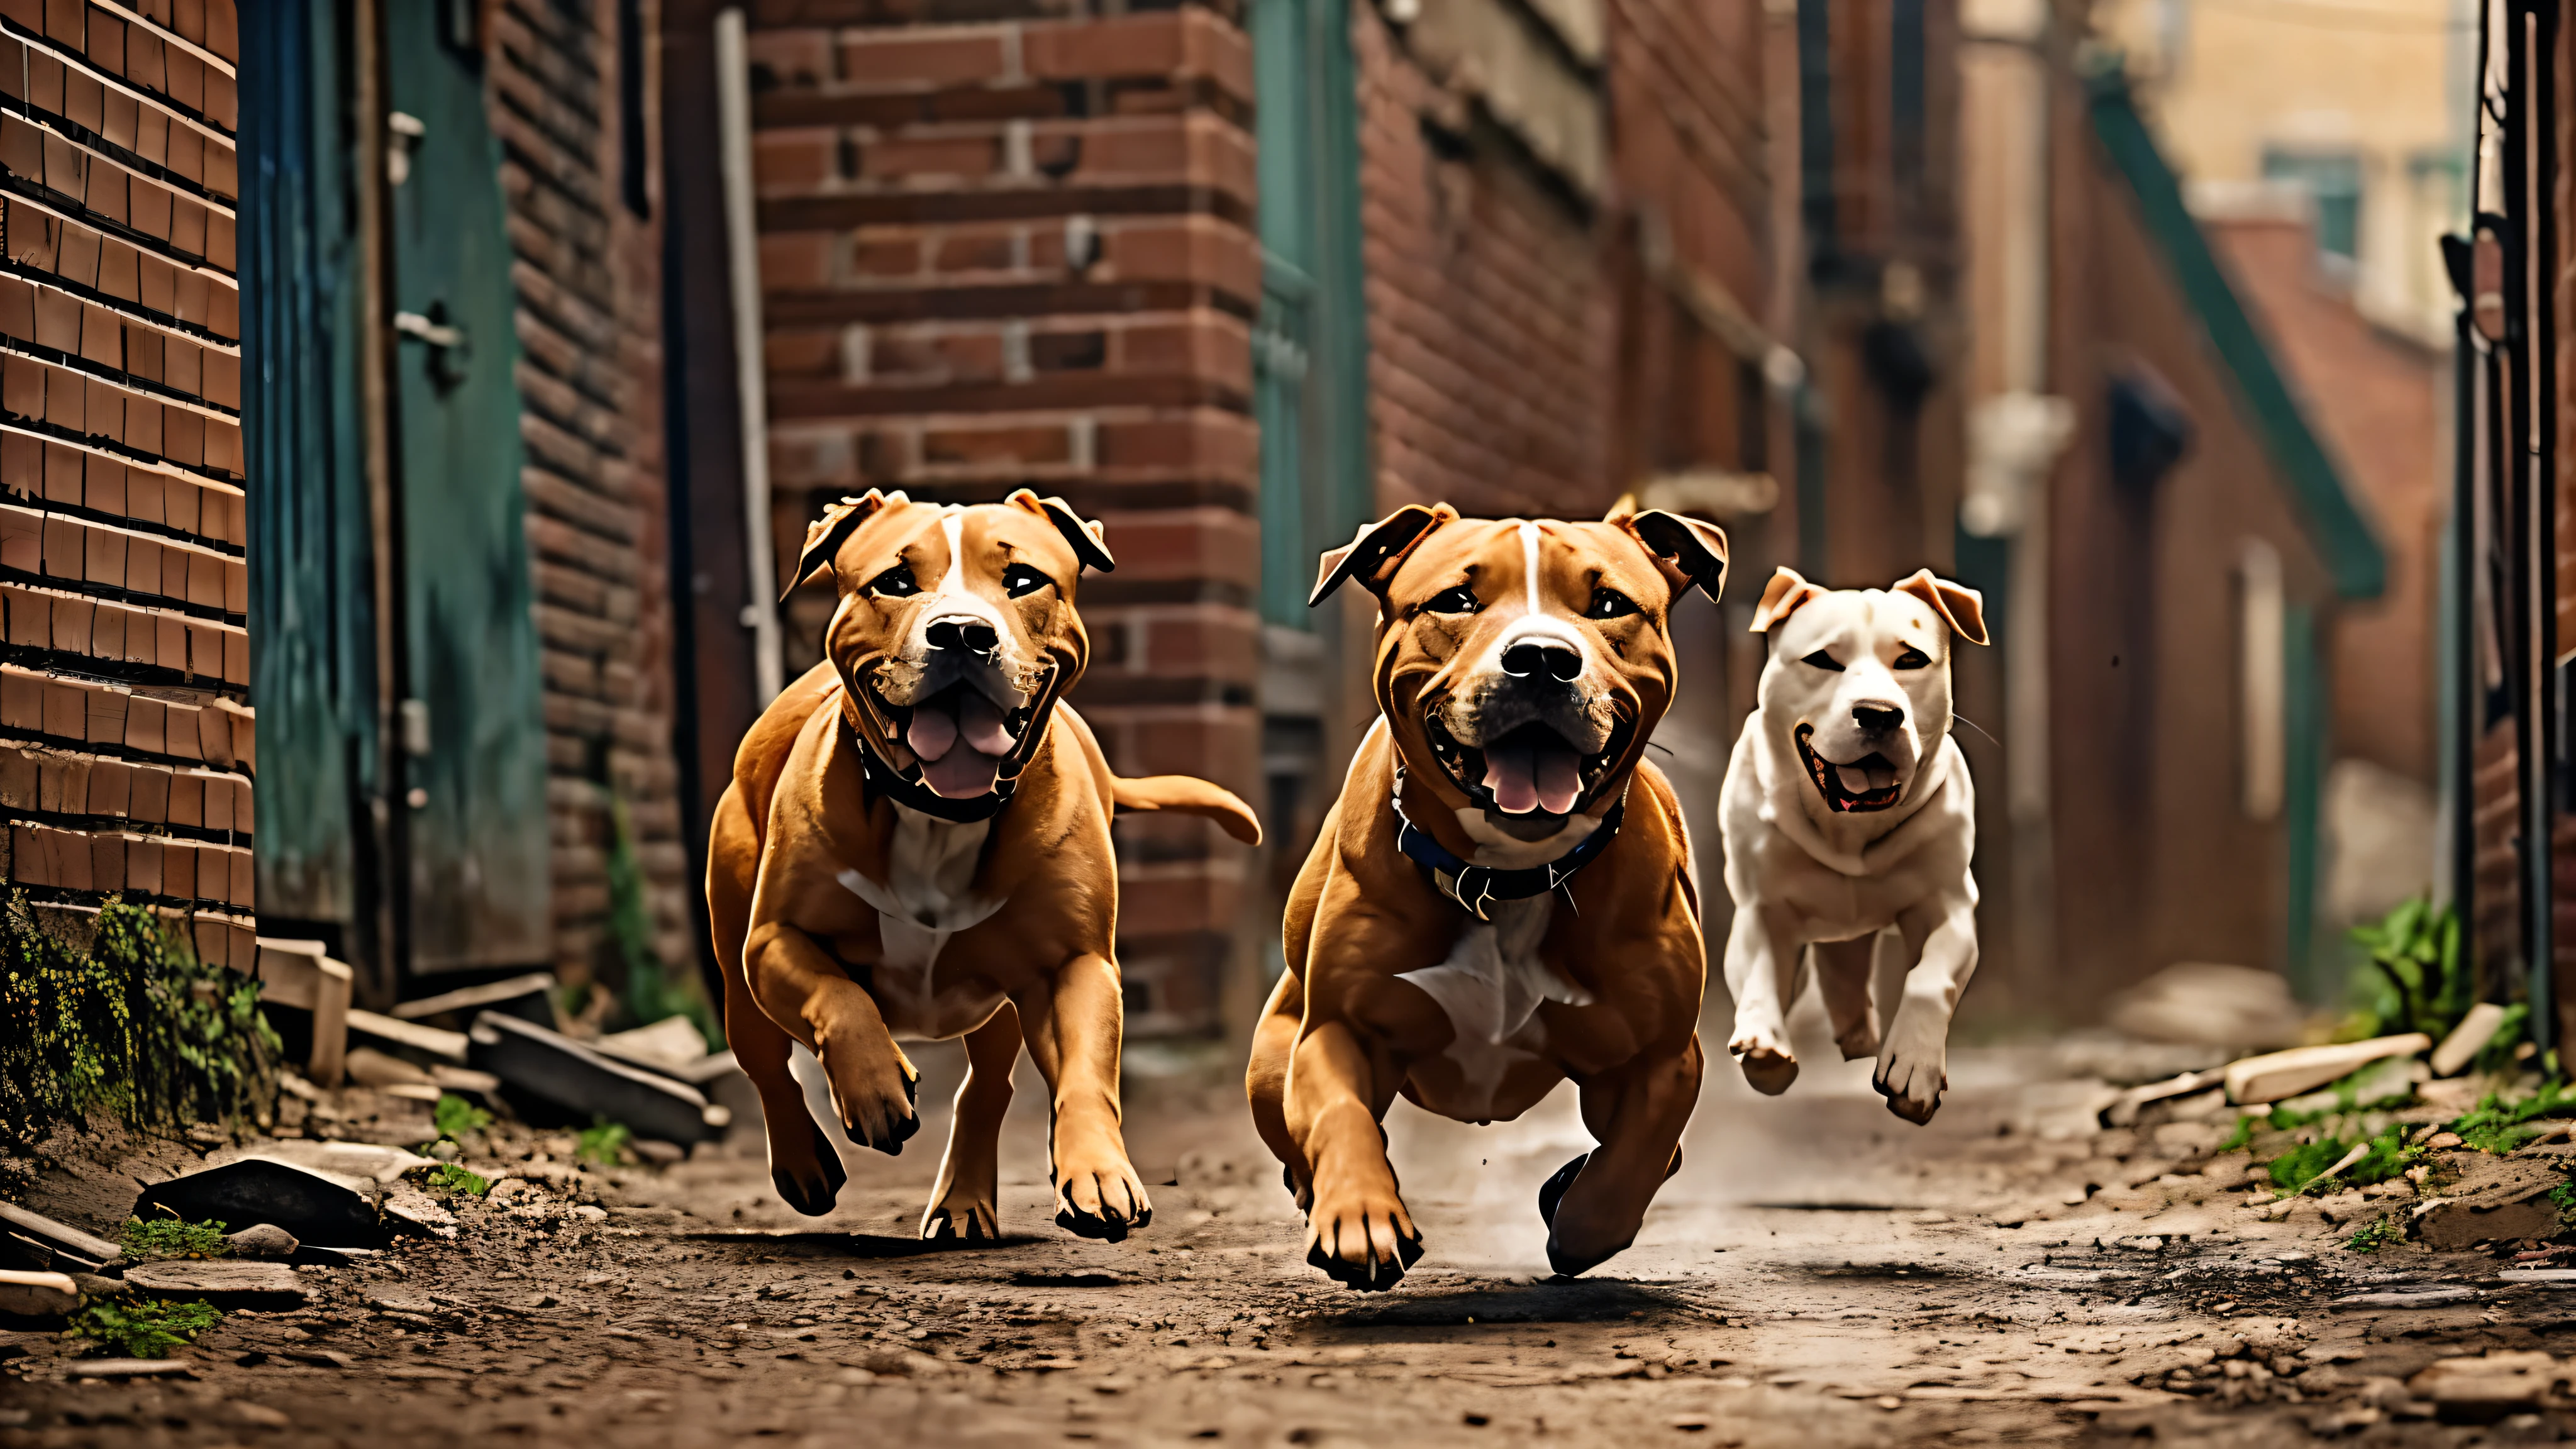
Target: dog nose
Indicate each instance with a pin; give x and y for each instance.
(1541, 656)
(967, 636)
(1870, 714)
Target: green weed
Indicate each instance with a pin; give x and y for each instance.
(174, 1238)
(2498, 1126)
(143, 1328)
(455, 1117)
(130, 1024)
(602, 1141)
(2296, 1171)
(2416, 978)
(2242, 1137)
(2374, 1235)
(456, 1179)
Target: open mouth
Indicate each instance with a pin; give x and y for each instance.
(962, 738)
(1866, 784)
(1532, 770)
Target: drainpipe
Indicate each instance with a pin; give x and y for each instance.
(742, 249)
(384, 906)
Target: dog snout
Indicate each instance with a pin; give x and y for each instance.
(1875, 715)
(964, 636)
(1542, 658)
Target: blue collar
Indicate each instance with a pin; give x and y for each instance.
(1477, 887)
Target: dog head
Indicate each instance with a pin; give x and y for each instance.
(1859, 680)
(1522, 663)
(956, 631)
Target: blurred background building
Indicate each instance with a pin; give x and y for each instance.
(558, 319)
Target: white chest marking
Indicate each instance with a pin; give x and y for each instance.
(928, 899)
(1491, 986)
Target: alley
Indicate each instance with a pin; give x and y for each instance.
(1819, 1274)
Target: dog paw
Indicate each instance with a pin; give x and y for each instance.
(1102, 1200)
(960, 1219)
(1767, 1061)
(1363, 1241)
(1552, 1191)
(1861, 1040)
(1912, 1082)
(877, 1099)
(1288, 1179)
(809, 1178)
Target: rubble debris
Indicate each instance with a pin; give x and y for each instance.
(37, 1295)
(2494, 1199)
(2467, 1039)
(325, 1209)
(369, 1067)
(2207, 1004)
(2486, 1389)
(51, 1244)
(2123, 1111)
(463, 1079)
(418, 1212)
(560, 1070)
(447, 1046)
(2274, 1075)
(264, 1240)
(669, 1045)
(368, 1160)
(299, 974)
(2415, 1298)
(224, 1284)
(132, 1368)
(531, 998)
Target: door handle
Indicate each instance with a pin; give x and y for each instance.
(436, 334)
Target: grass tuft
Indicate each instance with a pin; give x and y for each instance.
(602, 1141)
(457, 1179)
(142, 1328)
(174, 1238)
(455, 1117)
(2376, 1234)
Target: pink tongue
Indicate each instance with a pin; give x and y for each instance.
(981, 724)
(961, 774)
(933, 733)
(1527, 776)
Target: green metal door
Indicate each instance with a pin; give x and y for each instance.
(473, 723)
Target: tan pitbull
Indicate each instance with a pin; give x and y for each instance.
(1848, 811)
(916, 846)
(1501, 899)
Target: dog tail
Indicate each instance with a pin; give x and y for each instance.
(1188, 795)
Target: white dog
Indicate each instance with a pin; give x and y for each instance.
(1848, 810)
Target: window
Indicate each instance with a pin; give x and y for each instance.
(2334, 180)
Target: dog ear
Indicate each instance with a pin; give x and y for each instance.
(1781, 598)
(1379, 549)
(1961, 607)
(1083, 533)
(1696, 548)
(825, 535)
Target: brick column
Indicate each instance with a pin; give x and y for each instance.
(126, 748)
(1018, 252)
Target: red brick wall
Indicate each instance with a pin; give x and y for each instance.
(1016, 251)
(125, 735)
(587, 269)
(1491, 322)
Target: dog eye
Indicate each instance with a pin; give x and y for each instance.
(1609, 604)
(894, 583)
(1822, 660)
(1020, 579)
(1913, 658)
(1460, 600)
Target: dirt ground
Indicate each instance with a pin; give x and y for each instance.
(1819, 1274)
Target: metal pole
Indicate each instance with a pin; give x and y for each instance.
(384, 910)
(2541, 117)
(742, 246)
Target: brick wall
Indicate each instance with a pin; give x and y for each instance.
(1017, 252)
(1491, 321)
(586, 264)
(126, 739)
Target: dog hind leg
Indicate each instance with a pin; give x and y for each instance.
(1265, 1084)
(963, 1207)
(1637, 1112)
(1843, 974)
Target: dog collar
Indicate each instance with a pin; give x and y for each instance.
(1477, 887)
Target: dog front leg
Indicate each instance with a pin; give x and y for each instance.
(1913, 1067)
(798, 984)
(1761, 974)
(1357, 1228)
(1074, 1021)
(1637, 1113)
(962, 1206)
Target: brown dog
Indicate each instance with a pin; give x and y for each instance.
(916, 845)
(1520, 668)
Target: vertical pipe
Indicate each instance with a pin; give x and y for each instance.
(2541, 116)
(385, 908)
(742, 247)
(2459, 714)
